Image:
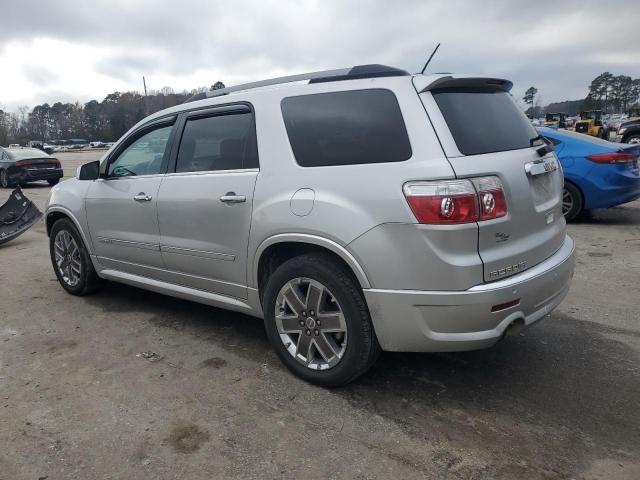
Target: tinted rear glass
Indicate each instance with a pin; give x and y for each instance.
(346, 128)
(484, 121)
(27, 153)
(221, 142)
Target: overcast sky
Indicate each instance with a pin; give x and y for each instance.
(68, 50)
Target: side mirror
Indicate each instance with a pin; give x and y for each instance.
(89, 171)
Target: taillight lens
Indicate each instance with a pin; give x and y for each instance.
(456, 201)
(491, 197)
(442, 202)
(20, 163)
(56, 162)
(616, 157)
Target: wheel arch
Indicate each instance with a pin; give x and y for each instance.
(273, 251)
(57, 213)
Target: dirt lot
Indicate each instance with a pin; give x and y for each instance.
(78, 401)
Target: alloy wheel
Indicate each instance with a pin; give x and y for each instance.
(567, 201)
(67, 257)
(311, 323)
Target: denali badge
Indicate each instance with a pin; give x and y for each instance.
(516, 267)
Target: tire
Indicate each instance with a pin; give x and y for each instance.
(53, 182)
(633, 138)
(358, 344)
(572, 201)
(4, 179)
(82, 280)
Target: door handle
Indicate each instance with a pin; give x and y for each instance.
(142, 197)
(231, 197)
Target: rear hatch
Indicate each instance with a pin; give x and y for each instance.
(484, 133)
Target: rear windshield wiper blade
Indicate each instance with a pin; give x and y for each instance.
(546, 147)
(535, 139)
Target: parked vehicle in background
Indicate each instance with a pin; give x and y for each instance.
(629, 132)
(597, 173)
(590, 123)
(374, 215)
(23, 165)
(558, 120)
(14, 145)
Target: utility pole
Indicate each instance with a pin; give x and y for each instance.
(144, 83)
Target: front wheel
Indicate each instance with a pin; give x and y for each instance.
(318, 322)
(572, 202)
(634, 138)
(71, 261)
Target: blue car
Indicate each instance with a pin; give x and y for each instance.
(597, 173)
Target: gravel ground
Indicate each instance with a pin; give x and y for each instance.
(208, 398)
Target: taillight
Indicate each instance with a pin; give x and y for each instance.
(20, 163)
(442, 202)
(56, 162)
(456, 201)
(616, 157)
(491, 196)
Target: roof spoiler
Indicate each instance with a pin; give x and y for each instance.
(465, 82)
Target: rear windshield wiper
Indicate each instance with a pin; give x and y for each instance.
(535, 139)
(547, 146)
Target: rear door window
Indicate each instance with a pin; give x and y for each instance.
(346, 128)
(220, 142)
(484, 120)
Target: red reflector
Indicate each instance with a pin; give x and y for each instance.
(504, 306)
(612, 157)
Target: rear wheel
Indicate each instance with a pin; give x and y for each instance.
(572, 202)
(53, 181)
(70, 258)
(4, 179)
(318, 322)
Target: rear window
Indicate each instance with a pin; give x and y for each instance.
(484, 121)
(346, 128)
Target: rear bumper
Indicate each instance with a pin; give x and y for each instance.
(440, 321)
(33, 175)
(609, 185)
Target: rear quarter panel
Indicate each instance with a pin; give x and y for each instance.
(348, 200)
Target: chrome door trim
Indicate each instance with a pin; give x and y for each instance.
(214, 172)
(129, 243)
(197, 253)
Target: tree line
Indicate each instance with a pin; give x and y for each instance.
(607, 92)
(103, 121)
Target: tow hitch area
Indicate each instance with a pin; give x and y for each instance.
(17, 215)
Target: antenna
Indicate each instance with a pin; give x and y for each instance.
(430, 57)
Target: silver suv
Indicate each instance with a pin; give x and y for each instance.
(353, 210)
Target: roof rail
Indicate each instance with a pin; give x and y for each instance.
(359, 71)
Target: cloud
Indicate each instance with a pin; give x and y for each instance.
(39, 75)
(104, 46)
